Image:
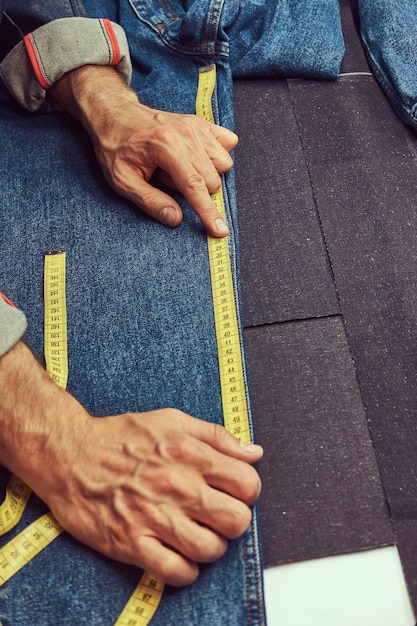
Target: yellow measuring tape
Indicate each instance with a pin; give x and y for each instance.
(55, 317)
(229, 349)
(11, 510)
(26, 545)
(13, 556)
(32, 540)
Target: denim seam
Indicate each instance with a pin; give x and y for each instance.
(251, 542)
(78, 11)
(210, 49)
(247, 576)
(258, 564)
(213, 21)
(406, 114)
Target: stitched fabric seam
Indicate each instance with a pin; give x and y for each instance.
(209, 49)
(41, 65)
(106, 40)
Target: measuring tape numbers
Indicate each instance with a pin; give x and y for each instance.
(229, 349)
(55, 317)
(143, 602)
(26, 545)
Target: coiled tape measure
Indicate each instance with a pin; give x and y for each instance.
(26, 545)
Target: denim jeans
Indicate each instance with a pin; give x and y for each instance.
(140, 318)
(389, 32)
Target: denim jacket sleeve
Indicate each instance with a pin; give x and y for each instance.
(54, 38)
(12, 324)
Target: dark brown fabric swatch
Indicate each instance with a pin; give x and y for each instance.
(322, 493)
(281, 245)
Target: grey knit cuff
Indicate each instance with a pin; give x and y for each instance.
(58, 47)
(12, 325)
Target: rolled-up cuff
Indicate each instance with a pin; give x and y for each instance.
(58, 47)
(12, 324)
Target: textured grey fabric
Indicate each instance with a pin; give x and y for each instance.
(362, 164)
(321, 488)
(61, 46)
(312, 175)
(282, 248)
(12, 326)
(365, 186)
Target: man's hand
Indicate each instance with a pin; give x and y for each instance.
(132, 142)
(161, 490)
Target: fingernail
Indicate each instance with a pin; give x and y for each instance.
(169, 216)
(250, 447)
(221, 226)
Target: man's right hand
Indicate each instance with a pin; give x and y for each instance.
(161, 490)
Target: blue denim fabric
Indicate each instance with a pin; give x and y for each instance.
(141, 336)
(140, 317)
(389, 32)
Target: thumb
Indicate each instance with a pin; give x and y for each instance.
(156, 203)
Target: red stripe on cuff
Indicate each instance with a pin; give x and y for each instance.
(6, 299)
(113, 41)
(35, 62)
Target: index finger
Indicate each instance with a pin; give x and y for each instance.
(192, 184)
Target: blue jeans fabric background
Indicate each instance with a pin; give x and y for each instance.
(140, 329)
(140, 318)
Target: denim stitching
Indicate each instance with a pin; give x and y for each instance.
(210, 48)
(109, 48)
(40, 60)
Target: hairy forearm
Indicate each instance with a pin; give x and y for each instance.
(33, 416)
(94, 95)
